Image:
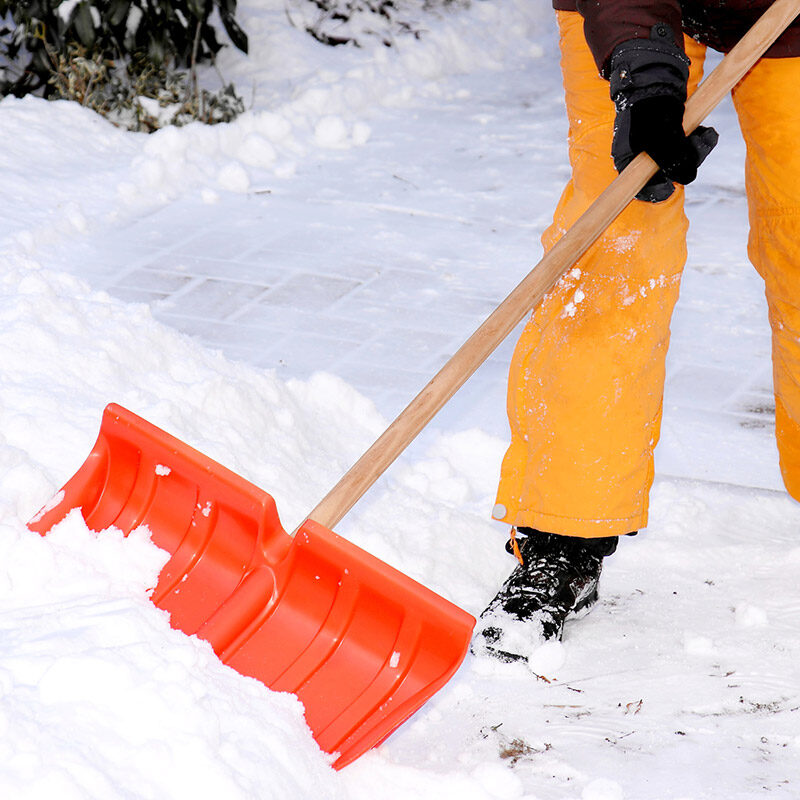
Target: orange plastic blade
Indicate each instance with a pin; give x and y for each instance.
(361, 644)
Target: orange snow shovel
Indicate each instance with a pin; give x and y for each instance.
(362, 645)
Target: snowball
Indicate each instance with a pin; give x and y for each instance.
(748, 616)
(698, 645)
(273, 126)
(233, 178)
(361, 133)
(314, 100)
(151, 172)
(256, 151)
(547, 659)
(330, 132)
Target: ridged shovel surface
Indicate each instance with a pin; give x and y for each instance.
(362, 645)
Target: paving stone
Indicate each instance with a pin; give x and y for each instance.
(266, 274)
(705, 387)
(380, 279)
(214, 298)
(308, 291)
(154, 280)
(130, 295)
(403, 349)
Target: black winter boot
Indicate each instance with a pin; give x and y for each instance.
(558, 577)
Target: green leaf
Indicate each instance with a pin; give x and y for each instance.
(84, 24)
(226, 6)
(238, 36)
(156, 51)
(200, 9)
(208, 37)
(118, 12)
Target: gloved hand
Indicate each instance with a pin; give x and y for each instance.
(648, 80)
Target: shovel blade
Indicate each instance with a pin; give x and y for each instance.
(362, 645)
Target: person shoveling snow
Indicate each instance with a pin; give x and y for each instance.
(587, 377)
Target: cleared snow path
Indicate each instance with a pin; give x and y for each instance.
(374, 260)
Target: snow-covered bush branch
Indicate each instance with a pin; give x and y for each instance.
(337, 22)
(101, 52)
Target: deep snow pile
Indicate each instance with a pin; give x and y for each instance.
(100, 697)
(691, 658)
(683, 683)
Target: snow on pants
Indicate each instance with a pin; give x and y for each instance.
(587, 376)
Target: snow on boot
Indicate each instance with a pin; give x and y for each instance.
(557, 577)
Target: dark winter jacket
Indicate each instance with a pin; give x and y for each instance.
(716, 23)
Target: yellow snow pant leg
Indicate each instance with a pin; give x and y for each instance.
(766, 101)
(587, 376)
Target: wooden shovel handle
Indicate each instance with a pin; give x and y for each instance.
(541, 279)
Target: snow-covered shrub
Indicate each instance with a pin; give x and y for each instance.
(107, 53)
(138, 95)
(336, 22)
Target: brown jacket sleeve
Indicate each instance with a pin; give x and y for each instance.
(608, 23)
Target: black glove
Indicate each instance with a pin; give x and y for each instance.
(648, 80)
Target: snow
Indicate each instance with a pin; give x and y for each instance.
(682, 683)
(102, 699)
(65, 9)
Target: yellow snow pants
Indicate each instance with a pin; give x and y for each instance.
(587, 376)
